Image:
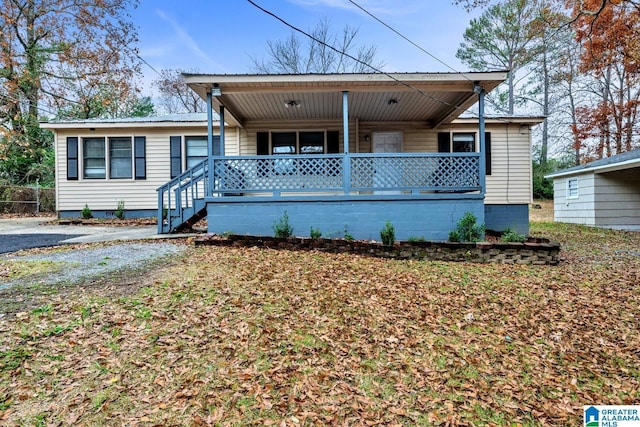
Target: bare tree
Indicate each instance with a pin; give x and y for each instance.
(325, 52)
(175, 95)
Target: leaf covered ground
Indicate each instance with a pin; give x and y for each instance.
(262, 337)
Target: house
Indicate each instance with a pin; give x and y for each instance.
(336, 152)
(603, 193)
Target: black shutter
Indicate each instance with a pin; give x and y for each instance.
(262, 144)
(140, 156)
(175, 153)
(262, 149)
(216, 145)
(333, 142)
(72, 158)
(487, 152)
(444, 142)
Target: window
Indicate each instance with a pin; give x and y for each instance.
(94, 158)
(120, 158)
(297, 142)
(196, 150)
(572, 188)
(311, 142)
(283, 143)
(463, 142)
(124, 156)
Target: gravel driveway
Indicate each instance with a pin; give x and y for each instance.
(82, 264)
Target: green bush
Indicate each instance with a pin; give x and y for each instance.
(120, 210)
(347, 236)
(511, 235)
(388, 234)
(315, 233)
(416, 239)
(86, 212)
(282, 228)
(467, 229)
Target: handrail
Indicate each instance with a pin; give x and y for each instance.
(283, 175)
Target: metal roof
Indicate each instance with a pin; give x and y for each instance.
(626, 160)
(428, 98)
(198, 119)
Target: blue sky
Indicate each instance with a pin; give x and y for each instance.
(221, 36)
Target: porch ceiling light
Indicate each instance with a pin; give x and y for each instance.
(292, 103)
(392, 101)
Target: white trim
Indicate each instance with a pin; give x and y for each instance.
(598, 169)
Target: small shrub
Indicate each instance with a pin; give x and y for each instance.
(347, 236)
(510, 235)
(416, 239)
(467, 230)
(120, 210)
(315, 233)
(86, 212)
(388, 234)
(282, 228)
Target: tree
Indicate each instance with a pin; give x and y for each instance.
(594, 9)
(612, 55)
(56, 53)
(295, 55)
(175, 95)
(501, 38)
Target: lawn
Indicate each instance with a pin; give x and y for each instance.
(240, 337)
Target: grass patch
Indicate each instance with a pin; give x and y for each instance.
(235, 336)
(21, 269)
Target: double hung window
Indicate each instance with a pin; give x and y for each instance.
(107, 157)
(94, 158)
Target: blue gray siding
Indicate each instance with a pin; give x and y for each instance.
(501, 217)
(363, 219)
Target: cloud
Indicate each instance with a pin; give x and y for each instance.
(188, 42)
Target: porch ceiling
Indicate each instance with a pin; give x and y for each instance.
(432, 99)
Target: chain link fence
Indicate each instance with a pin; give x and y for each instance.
(26, 199)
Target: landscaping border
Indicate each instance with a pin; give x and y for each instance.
(532, 252)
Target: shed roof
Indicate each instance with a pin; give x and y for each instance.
(626, 160)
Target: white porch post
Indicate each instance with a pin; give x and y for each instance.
(346, 162)
(481, 138)
(210, 143)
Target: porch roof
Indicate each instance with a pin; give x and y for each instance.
(428, 98)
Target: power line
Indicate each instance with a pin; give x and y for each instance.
(405, 37)
(377, 70)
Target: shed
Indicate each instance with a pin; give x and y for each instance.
(603, 193)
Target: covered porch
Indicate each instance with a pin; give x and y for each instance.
(334, 182)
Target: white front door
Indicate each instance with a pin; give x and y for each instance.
(387, 142)
(386, 174)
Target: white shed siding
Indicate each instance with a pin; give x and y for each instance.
(579, 210)
(617, 196)
(101, 194)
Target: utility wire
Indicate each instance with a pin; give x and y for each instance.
(405, 37)
(377, 70)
